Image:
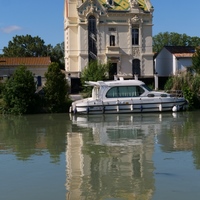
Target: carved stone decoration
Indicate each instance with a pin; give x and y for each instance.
(135, 19)
(92, 6)
(136, 52)
(134, 3)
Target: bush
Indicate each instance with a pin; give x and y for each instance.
(56, 90)
(94, 71)
(190, 86)
(19, 92)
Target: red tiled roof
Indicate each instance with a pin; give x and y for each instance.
(27, 61)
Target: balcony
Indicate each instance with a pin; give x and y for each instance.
(113, 50)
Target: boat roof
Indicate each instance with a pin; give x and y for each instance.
(120, 82)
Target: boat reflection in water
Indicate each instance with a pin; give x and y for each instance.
(110, 156)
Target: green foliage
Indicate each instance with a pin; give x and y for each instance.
(25, 46)
(173, 39)
(190, 86)
(1, 89)
(19, 92)
(56, 89)
(94, 71)
(190, 96)
(196, 61)
(169, 84)
(28, 46)
(57, 55)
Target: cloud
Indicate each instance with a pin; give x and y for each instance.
(10, 29)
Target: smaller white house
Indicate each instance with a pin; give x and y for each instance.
(173, 59)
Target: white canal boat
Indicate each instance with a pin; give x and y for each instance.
(126, 96)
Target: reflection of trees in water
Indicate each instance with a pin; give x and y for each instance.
(33, 135)
(183, 136)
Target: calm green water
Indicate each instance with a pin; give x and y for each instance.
(104, 157)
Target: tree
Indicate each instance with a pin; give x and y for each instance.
(173, 39)
(94, 71)
(56, 89)
(57, 55)
(26, 46)
(196, 61)
(19, 92)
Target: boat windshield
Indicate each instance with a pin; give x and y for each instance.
(95, 92)
(147, 88)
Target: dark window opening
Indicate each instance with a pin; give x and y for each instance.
(112, 40)
(112, 70)
(92, 38)
(135, 36)
(136, 67)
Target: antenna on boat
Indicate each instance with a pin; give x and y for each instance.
(118, 78)
(136, 76)
(115, 77)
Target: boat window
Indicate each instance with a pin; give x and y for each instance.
(124, 91)
(163, 95)
(147, 88)
(150, 95)
(112, 93)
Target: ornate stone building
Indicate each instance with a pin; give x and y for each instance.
(115, 31)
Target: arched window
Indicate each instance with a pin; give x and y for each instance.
(92, 38)
(136, 67)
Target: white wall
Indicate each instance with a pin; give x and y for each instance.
(183, 63)
(164, 63)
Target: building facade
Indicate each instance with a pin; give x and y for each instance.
(114, 31)
(37, 65)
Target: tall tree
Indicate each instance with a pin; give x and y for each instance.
(56, 89)
(19, 92)
(173, 39)
(57, 54)
(26, 46)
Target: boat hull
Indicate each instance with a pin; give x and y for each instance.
(129, 107)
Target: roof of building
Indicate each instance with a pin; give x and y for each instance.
(27, 61)
(124, 5)
(181, 51)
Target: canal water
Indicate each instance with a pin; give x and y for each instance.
(101, 157)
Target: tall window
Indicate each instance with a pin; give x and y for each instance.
(92, 38)
(112, 40)
(135, 36)
(112, 70)
(136, 67)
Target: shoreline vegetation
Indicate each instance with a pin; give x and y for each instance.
(187, 82)
(18, 94)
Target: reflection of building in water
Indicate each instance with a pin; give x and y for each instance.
(110, 158)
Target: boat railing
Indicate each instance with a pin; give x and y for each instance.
(175, 93)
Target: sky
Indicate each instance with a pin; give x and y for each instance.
(44, 18)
